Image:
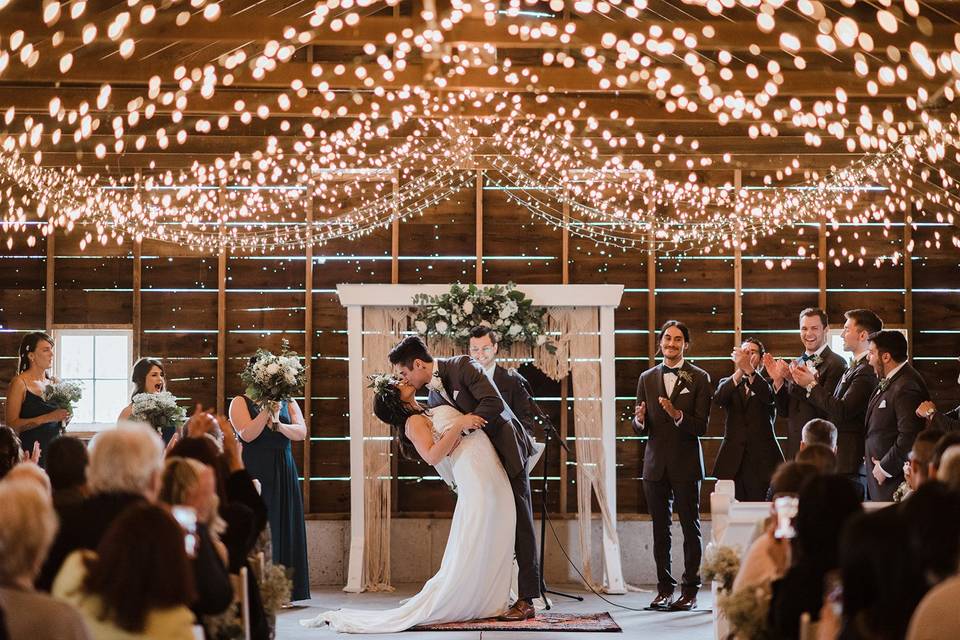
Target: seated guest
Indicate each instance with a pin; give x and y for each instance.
(949, 439)
(826, 503)
(819, 431)
(937, 616)
(932, 516)
(882, 582)
(27, 527)
(917, 470)
(949, 471)
(31, 472)
(9, 450)
(67, 461)
(125, 469)
(820, 456)
(768, 557)
(138, 583)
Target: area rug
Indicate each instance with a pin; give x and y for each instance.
(561, 622)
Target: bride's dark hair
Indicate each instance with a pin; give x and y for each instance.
(390, 408)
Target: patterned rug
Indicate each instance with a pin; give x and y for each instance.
(562, 622)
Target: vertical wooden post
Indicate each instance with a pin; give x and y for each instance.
(651, 299)
(51, 280)
(737, 274)
(308, 352)
(137, 313)
(221, 313)
(395, 233)
(479, 231)
(565, 382)
(822, 270)
(908, 282)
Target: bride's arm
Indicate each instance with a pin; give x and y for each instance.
(420, 434)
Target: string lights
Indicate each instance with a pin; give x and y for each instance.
(400, 127)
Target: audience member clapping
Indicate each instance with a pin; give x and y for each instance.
(27, 527)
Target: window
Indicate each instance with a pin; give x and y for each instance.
(100, 360)
(836, 340)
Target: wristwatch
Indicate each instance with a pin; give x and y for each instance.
(810, 386)
(929, 413)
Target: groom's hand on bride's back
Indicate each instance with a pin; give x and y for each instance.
(470, 422)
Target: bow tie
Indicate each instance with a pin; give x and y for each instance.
(674, 371)
(806, 357)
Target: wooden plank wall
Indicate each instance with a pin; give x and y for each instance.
(264, 301)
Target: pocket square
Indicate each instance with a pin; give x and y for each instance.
(456, 392)
(683, 391)
(882, 405)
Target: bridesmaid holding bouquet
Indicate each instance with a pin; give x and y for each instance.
(149, 377)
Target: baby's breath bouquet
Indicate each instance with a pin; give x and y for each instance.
(721, 563)
(63, 395)
(746, 610)
(272, 377)
(159, 410)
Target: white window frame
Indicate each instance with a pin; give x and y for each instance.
(89, 428)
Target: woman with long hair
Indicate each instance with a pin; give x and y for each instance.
(36, 421)
(138, 583)
(266, 432)
(148, 376)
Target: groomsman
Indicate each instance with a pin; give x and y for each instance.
(846, 406)
(892, 420)
(793, 400)
(749, 453)
(673, 405)
(943, 420)
(512, 387)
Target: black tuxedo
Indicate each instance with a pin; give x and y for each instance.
(749, 453)
(949, 421)
(469, 391)
(516, 392)
(793, 403)
(673, 467)
(892, 426)
(846, 407)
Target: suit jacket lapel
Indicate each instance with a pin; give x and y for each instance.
(447, 393)
(678, 385)
(663, 387)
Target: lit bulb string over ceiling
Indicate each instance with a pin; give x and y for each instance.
(648, 48)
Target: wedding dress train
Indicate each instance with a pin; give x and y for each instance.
(475, 573)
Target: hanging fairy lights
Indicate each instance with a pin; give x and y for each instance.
(435, 102)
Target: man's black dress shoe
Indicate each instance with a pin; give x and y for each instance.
(661, 603)
(685, 603)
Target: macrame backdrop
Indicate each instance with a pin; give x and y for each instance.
(383, 327)
(575, 334)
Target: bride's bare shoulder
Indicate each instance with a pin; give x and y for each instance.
(417, 421)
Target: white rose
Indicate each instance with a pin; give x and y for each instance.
(421, 326)
(441, 327)
(505, 312)
(272, 368)
(541, 340)
(486, 323)
(441, 311)
(467, 308)
(515, 329)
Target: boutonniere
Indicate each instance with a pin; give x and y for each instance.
(685, 376)
(884, 383)
(815, 361)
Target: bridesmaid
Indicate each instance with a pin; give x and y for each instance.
(148, 377)
(266, 432)
(34, 420)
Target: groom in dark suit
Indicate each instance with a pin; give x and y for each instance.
(673, 405)
(460, 382)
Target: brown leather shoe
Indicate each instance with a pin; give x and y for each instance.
(685, 603)
(521, 610)
(661, 603)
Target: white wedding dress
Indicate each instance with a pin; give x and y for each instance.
(475, 573)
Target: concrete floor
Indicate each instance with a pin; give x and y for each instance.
(695, 625)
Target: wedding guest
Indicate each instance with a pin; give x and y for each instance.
(67, 461)
(846, 405)
(793, 401)
(932, 516)
(943, 420)
(820, 456)
(673, 406)
(138, 583)
(892, 421)
(882, 582)
(31, 472)
(266, 432)
(826, 503)
(10, 450)
(937, 616)
(148, 377)
(948, 440)
(33, 418)
(949, 471)
(819, 431)
(27, 527)
(916, 471)
(749, 453)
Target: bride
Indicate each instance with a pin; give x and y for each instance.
(475, 573)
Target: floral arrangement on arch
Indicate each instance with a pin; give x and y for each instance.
(504, 309)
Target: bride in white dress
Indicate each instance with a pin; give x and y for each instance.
(475, 574)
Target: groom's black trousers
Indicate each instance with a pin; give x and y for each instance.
(525, 546)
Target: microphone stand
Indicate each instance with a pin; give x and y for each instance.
(549, 432)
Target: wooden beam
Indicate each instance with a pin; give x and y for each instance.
(908, 282)
(822, 262)
(137, 298)
(479, 229)
(308, 355)
(737, 275)
(395, 234)
(50, 282)
(221, 321)
(651, 302)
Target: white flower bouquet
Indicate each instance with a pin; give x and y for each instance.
(159, 410)
(63, 395)
(274, 378)
(721, 563)
(502, 308)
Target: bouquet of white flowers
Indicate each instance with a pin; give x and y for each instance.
(159, 410)
(273, 378)
(63, 395)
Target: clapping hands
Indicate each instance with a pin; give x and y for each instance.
(779, 370)
(803, 375)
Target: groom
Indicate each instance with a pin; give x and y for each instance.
(461, 383)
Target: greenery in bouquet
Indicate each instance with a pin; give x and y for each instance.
(721, 564)
(746, 611)
(272, 377)
(63, 395)
(503, 308)
(276, 586)
(159, 410)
